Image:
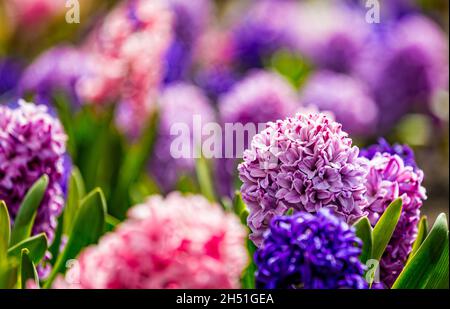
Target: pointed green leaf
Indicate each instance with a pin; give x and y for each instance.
(421, 235)
(385, 227)
(24, 220)
(88, 227)
(8, 275)
(204, 178)
(75, 193)
(5, 229)
(36, 246)
(111, 223)
(238, 204)
(364, 232)
(27, 270)
(429, 266)
(248, 276)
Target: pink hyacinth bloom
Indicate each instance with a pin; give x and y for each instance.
(387, 180)
(127, 60)
(173, 242)
(34, 12)
(305, 163)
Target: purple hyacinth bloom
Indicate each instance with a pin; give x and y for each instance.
(306, 251)
(216, 80)
(346, 97)
(403, 151)
(306, 163)
(179, 104)
(258, 98)
(405, 66)
(57, 69)
(388, 179)
(10, 72)
(190, 20)
(32, 143)
(331, 35)
(267, 26)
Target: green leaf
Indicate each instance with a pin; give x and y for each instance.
(248, 276)
(421, 235)
(364, 232)
(24, 220)
(27, 270)
(238, 204)
(8, 275)
(5, 230)
(88, 226)
(204, 178)
(439, 278)
(134, 164)
(428, 268)
(111, 223)
(75, 193)
(385, 227)
(36, 246)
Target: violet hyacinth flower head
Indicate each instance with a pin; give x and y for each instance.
(179, 104)
(10, 72)
(406, 67)
(267, 26)
(346, 97)
(309, 251)
(32, 143)
(305, 162)
(126, 59)
(403, 151)
(260, 97)
(388, 179)
(57, 69)
(190, 21)
(331, 35)
(181, 242)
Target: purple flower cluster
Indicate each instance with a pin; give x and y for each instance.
(346, 97)
(179, 103)
(387, 180)
(267, 26)
(32, 143)
(403, 151)
(10, 72)
(311, 252)
(304, 162)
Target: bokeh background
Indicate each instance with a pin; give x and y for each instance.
(229, 61)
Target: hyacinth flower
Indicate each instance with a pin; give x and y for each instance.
(178, 103)
(258, 98)
(32, 143)
(57, 69)
(331, 35)
(125, 60)
(305, 162)
(174, 242)
(388, 179)
(10, 72)
(190, 21)
(346, 97)
(405, 64)
(267, 26)
(382, 146)
(33, 12)
(306, 251)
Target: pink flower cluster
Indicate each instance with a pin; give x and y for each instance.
(34, 12)
(387, 180)
(125, 59)
(304, 162)
(173, 242)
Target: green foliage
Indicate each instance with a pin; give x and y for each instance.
(204, 178)
(428, 268)
(35, 245)
(365, 233)
(24, 220)
(27, 270)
